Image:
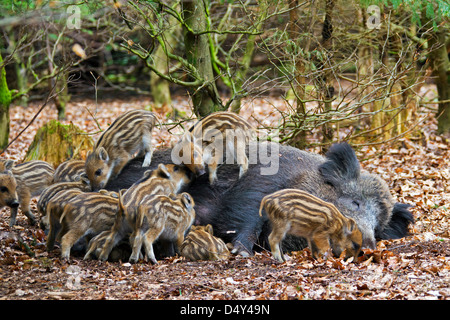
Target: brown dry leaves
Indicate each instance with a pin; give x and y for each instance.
(416, 267)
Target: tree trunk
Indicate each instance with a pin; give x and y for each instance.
(247, 55)
(327, 88)
(5, 101)
(20, 70)
(21, 81)
(60, 85)
(364, 69)
(63, 96)
(299, 138)
(409, 97)
(392, 115)
(56, 143)
(159, 87)
(205, 98)
(440, 66)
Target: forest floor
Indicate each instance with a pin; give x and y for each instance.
(414, 267)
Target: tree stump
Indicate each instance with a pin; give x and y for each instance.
(56, 143)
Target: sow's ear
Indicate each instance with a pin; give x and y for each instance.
(398, 224)
(341, 165)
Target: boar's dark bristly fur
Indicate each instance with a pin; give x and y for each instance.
(341, 164)
(231, 205)
(400, 220)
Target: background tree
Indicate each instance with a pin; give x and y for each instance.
(5, 101)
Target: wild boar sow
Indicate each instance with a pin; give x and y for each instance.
(231, 205)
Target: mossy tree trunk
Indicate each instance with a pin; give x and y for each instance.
(205, 98)
(56, 143)
(5, 101)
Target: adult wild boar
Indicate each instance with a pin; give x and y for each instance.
(231, 205)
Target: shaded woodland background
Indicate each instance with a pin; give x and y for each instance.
(306, 73)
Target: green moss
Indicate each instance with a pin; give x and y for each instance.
(5, 94)
(5, 100)
(56, 142)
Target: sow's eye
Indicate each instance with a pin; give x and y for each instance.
(351, 204)
(98, 172)
(3, 189)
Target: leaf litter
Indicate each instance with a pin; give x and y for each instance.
(414, 267)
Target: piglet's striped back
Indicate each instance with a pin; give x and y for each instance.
(220, 121)
(35, 175)
(125, 129)
(292, 199)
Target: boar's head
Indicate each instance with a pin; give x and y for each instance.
(363, 196)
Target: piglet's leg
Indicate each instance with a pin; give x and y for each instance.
(148, 148)
(275, 238)
(112, 239)
(136, 241)
(179, 242)
(240, 156)
(54, 227)
(12, 220)
(212, 168)
(149, 238)
(68, 240)
(319, 244)
(24, 199)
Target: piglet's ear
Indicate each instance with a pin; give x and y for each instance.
(187, 201)
(163, 172)
(350, 227)
(209, 229)
(121, 204)
(84, 179)
(9, 164)
(341, 165)
(103, 154)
